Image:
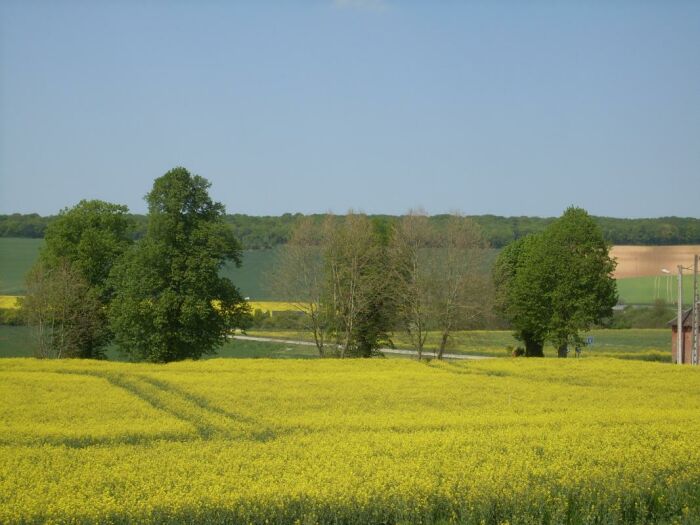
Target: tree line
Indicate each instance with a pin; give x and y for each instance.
(261, 232)
(355, 279)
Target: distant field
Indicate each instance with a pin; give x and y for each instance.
(640, 261)
(251, 277)
(18, 255)
(273, 306)
(9, 301)
(12, 301)
(16, 341)
(646, 290)
(637, 268)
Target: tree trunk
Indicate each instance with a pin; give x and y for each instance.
(533, 348)
(319, 343)
(443, 344)
(563, 350)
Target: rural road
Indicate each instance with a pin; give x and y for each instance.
(383, 350)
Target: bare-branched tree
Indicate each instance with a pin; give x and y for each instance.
(459, 283)
(330, 272)
(409, 254)
(299, 278)
(65, 313)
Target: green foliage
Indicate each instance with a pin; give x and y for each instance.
(580, 268)
(656, 316)
(12, 317)
(67, 290)
(374, 322)
(170, 302)
(31, 225)
(556, 284)
(267, 232)
(91, 236)
(520, 281)
(289, 320)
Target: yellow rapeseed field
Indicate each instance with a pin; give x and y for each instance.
(272, 306)
(353, 441)
(9, 301)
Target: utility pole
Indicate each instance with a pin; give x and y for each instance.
(679, 331)
(695, 311)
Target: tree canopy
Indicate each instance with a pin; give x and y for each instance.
(170, 301)
(269, 231)
(555, 284)
(90, 236)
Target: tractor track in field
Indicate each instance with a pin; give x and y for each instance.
(207, 420)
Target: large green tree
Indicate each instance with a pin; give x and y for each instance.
(583, 292)
(556, 284)
(68, 290)
(170, 302)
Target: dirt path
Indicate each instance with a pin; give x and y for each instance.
(426, 354)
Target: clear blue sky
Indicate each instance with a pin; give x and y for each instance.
(482, 107)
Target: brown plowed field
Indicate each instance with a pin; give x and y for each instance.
(639, 261)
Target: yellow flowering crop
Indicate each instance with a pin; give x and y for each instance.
(9, 301)
(352, 441)
(273, 306)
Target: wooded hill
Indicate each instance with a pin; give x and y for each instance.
(257, 232)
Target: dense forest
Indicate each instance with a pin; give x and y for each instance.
(268, 231)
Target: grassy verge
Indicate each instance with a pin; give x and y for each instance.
(643, 344)
(17, 341)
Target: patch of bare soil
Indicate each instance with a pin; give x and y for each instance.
(639, 261)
